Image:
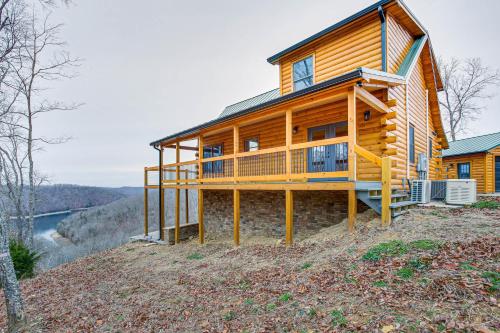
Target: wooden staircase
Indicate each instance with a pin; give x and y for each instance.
(372, 197)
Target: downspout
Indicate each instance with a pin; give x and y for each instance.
(160, 181)
(383, 23)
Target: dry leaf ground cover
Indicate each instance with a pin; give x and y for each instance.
(433, 270)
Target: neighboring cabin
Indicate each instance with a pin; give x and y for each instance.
(475, 158)
(356, 109)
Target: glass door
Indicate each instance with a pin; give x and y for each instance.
(327, 158)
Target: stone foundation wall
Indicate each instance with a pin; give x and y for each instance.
(263, 212)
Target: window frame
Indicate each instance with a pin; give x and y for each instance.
(430, 143)
(469, 166)
(312, 76)
(411, 144)
(214, 166)
(246, 147)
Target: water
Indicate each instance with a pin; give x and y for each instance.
(45, 226)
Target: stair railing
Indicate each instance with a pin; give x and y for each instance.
(386, 164)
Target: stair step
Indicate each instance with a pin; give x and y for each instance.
(393, 196)
(402, 204)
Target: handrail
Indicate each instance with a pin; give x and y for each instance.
(262, 151)
(218, 158)
(317, 143)
(180, 163)
(368, 155)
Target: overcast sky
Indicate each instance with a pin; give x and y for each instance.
(162, 66)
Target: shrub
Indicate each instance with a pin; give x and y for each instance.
(306, 265)
(389, 249)
(24, 259)
(195, 256)
(229, 315)
(486, 205)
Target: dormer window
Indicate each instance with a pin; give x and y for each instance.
(303, 73)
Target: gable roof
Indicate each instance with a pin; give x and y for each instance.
(268, 99)
(250, 102)
(477, 144)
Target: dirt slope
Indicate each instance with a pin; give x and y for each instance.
(331, 281)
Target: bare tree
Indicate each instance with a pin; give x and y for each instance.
(40, 59)
(465, 86)
(11, 14)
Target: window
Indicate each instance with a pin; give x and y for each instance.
(213, 151)
(411, 144)
(303, 73)
(251, 144)
(463, 170)
(430, 147)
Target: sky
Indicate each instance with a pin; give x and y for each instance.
(161, 67)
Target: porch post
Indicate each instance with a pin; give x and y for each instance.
(162, 196)
(200, 158)
(236, 150)
(177, 194)
(351, 130)
(289, 216)
(201, 230)
(236, 216)
(386, 190)
(146, 208)
(288, 143)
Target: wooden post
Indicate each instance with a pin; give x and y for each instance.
(200, 158)
(289, 216)
(201, 230)
(177, 195)
(288, 143)
(352, 209)
(236, 149)
(162, 197)
(351, 132)
(386, 190)
(236, 216)
(186, 199)
(146, 208)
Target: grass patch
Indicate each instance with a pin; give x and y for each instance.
(389, 249)
(338, 318)
(486, 205)
(418, 264)
(229, 316)
(494, 279)
(466, 266)
(270, 307)
(311, 313)
(244, 285)
(248, 301)
(405, 273)
(285, 297)
(425, 244)
(306, 265)
(380, 284)
(195, 256)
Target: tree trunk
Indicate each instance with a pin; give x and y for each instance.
(31, 178)
(13, 301)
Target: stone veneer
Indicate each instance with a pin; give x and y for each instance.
(263, 212)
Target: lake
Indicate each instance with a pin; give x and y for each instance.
(45, 226)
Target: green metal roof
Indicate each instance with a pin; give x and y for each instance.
(412, 56)
(477, 144)
(253, 101)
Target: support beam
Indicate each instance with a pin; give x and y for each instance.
(146, 209)
(288, 143)
(352, 210)
(386, 190)
(289, 216)
(371, 100)
(351, 132)
(236, 216)
(201, 228)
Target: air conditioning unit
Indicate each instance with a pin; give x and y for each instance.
(461, 191)
(421, 191)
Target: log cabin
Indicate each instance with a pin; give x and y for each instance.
(355, 110)
(475, 158)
